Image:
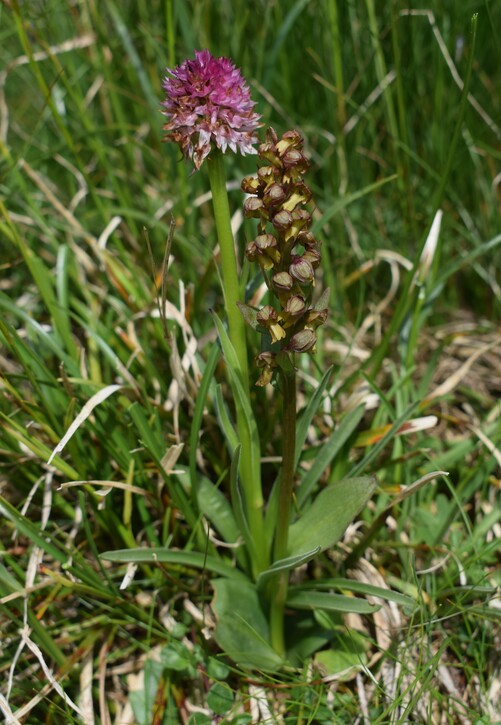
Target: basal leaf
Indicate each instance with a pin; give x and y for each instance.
(195, 559)
(291, 562)
(334, 508)
(351, 585)
(242, 630)
(331, 602)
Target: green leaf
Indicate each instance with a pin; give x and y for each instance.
(305, 636)
(242, 630)
(198, 414)
(323, 301)
(287, 564)
(465, 260)
(298, 599)
(198, 718)
(151, 438)
(347, 652)
(238, 503)
(149, 432)
(216, 507)
(177, 657)
(143, 699)
(35, 445)
(195, 559)
(217, 669)
(249, 314)
(334, 508)
(212, 502)
(350, 585)
(229, 351)
(44, 339)
(374, 451)
(328, 452)
(241, 399)
(10, 583)
(283, 30)
(79, 568)
(224, 420)
(43, 279)
(220, 698)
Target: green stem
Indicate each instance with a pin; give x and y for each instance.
(284, 507)
(229, 267)
(250, 454)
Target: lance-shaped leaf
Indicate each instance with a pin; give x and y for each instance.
(242, 631)
(287, 564)
(333, 509)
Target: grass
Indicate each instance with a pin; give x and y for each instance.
(85, 184)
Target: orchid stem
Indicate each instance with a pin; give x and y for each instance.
(284, 508)
(250, 474)
(229, 267)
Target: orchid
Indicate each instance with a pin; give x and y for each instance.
(208, 101)
(209, 111)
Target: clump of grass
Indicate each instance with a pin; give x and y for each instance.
(84, 349)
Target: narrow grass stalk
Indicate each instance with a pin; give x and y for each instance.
(402, 122)
(380, 66)
(340, 113)
(405, 301)
(169, 34)
(284, 508)
(337, 61)
(249, 473)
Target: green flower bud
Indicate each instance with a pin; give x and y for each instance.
(282, 221)
(307, 240)
(267, 252)
(315, 318)
(302, 341)
(253, 207)
(274, 195)
(294, 160)
(313, 257)
(251, 251)
(282, 281)
(295, 305)
(301, 270)
(293, 310)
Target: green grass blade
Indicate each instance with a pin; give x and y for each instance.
(329, 602)
(193, 559)
(198, 413)
(328, 452)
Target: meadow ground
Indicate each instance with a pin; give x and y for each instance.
(111, 351)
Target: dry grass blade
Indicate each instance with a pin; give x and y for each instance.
(456, 377)
(86, 678)
(491, 447)
(106, 486)
(86, 411)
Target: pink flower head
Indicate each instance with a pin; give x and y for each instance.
(209, 101)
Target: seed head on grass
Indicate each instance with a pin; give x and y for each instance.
(208, 101)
